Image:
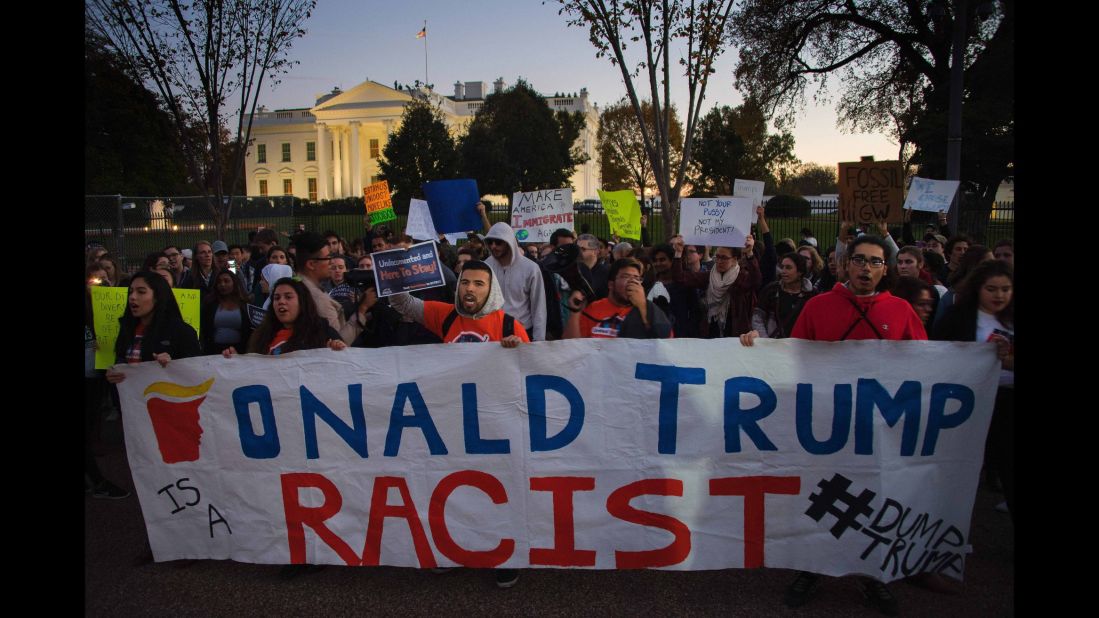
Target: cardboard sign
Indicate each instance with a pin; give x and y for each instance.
(680, 454)
(453, 205)
(379, 204)
(870, 191)
(931, 195)
(715, 221)
(623, 212)
(108, 304)
(407, 270)
(536, 215)
(752, 189)
(420, 226)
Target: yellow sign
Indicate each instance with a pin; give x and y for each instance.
(108, 304)
(623, 212)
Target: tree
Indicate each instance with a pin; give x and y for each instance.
(129, 145)
(808, 179)
(421, 150)
(697, 30)
(516, 143)
(734, 143)
(892, 59)
(208, 62)
(623, 162)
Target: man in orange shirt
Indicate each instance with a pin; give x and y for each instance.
(625, 312)
(476, 315)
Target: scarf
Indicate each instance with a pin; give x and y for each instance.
(717, 297)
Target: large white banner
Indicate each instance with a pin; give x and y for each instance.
(855, 457)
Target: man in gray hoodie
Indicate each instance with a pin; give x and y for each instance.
(520, 280)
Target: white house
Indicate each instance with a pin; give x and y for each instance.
(331, 150)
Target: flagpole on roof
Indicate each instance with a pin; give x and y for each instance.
(425, 53)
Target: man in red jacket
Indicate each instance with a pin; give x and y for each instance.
(858, 309)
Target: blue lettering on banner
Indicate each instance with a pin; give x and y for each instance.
(841, 420)
(905, 404)
(537, 385)
(937, 418)
(737, 419)
(670, 377)
(408, 392)
(256, 446)
(354, 436)
(475, 444)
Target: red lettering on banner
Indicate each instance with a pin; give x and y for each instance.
(437, 519)
(618, 505)
(563, 552)
(298, 516)
(380, 509)
(753, 488)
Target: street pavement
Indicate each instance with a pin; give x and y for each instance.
(114, 537)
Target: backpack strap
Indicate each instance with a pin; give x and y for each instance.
(862, 318)
(448, 322)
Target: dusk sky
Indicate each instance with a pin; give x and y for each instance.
(349, 41)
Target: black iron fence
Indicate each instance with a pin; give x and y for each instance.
(131, 227)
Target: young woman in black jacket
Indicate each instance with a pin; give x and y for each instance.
(151, 327)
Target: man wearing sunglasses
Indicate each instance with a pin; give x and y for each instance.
(520, 280)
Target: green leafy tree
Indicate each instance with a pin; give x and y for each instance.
(808, 179)
(421, 150)
(129, 144)
(696, 31)
(733, 142)
(623, 161)
(208, 62)
(891, 59)
(516, 143)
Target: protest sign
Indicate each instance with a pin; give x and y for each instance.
(255, 315)
(379, 204)
(453, 204)
(623, 212)
(752, 189)
(871, 190)
(930, 195)
(407, 270)
(419, 225)
(536, 215)
(715, 221)
(676, 454)
(108, 304)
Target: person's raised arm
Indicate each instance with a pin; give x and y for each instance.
(577, 303)
(407, 305)
(485, 223)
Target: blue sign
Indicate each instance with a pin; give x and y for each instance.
(407, 270)
(453, 205)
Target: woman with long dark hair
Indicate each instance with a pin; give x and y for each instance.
(985, 311)
(291, 324)
(151, 327)
(225, 314)
(780, 301)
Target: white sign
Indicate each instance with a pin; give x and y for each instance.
(715, 221)
(930, 195)
(752, 189)
(678, 454)
(420, 226)
(536, 215)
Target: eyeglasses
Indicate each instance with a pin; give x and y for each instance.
(172, 255)
(722, 258)
(628, 278)
(495, 241)
(862, 260)
(691, 250)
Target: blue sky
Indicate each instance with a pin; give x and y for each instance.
(350, 41)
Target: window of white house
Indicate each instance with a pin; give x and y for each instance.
(261, 153)
(286, 152)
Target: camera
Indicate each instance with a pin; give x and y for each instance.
(360, 279)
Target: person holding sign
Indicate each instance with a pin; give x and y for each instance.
(476, 314)
(151, 327)
(94, 391)
(314, 267)
(624, 313)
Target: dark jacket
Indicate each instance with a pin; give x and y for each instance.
(959, 323)
(177, 338)
(206, 321)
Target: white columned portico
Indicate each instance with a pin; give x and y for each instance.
(337, 163)
(345, 160)
(322, 161)
(356, 163)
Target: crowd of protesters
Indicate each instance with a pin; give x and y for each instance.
(309, 290)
